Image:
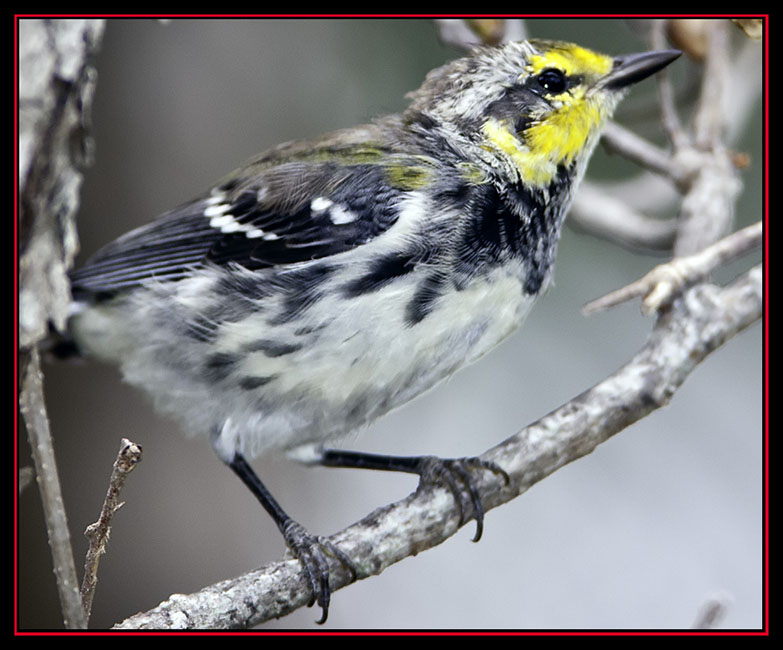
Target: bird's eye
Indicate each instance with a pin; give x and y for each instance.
(553, 81)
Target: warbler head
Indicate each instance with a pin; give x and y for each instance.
(530, 107)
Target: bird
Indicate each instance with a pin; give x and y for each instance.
(328, 281)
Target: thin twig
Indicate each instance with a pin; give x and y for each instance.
(709, 120)
(25, 478)
(701, 167)
(455, 32)
(705, 319)
(668, 280)
(712, 612)
(618, 139)
(31, 404)
(709, 179)
(604, 215)
(669, 118)
(98, 533)
(464, 34)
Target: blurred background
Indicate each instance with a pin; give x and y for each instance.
(640, 534)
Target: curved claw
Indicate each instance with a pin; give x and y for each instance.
(455, 472)
(311, 552)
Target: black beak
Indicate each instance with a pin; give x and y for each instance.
(630, 68)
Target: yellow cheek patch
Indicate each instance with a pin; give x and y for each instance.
(557, 137)
(556, 140)
(573, 60)
(533, 167)
(565, 132)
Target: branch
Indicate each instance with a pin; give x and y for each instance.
(701, 167)
(667, 280)
(55, 85)
(618, 139)
(98, 533)
(600, 213)
(702, 320)
(669, 118)
(707, 211)
(31, 405)
(712, 611)
(464, 34)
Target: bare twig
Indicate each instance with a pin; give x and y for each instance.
(669, 118)
(667, 280)
(705, 318)
(700, 167)
(604, 215)
(712, 612)
(455, 32)
(98, 533)
(26, 478)
(516, 30)
(464, 34)
(746, 82)
(709, 121)
(618, 139)
(55, 86)
(31, 403)
(707, 211)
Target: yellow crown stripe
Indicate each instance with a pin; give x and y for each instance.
(572, 60)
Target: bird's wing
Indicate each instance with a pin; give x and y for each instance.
(289, 212)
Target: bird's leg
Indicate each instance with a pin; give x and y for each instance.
(310, 550)
(455, 474)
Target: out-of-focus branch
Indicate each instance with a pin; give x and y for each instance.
(700, 166)
(56, 84)
(617, 139)
(707, 211)
(601, 213)
(709, 121)
(463, 34)
(31, 405)
(669, 118)
(712, 612)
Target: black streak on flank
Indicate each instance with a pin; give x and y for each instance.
(301, 289)
(272, 348)
(424, 299)
(201, 329)
(251, 383)
(382, 271)
(248, 287)
(220, 365)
